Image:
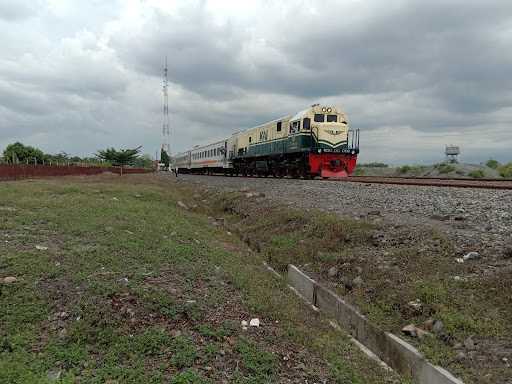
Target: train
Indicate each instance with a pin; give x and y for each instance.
(314, 142)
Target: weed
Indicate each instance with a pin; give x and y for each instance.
(150, 342)
(188, 376)
(184, 352)
(259, 364)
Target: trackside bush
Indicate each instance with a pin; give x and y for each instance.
(506, 170)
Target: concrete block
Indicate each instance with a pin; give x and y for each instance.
(327, 301)
(436, 375)
(302, 283)
(403, 357)
(396, 353)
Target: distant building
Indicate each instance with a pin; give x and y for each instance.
(452, 152)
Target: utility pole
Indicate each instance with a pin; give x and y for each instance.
(166, 146)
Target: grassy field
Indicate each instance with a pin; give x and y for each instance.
(115, 283)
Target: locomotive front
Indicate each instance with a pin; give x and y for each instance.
(334, 146)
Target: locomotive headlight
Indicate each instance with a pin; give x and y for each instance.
(324, 109)
(329, 110)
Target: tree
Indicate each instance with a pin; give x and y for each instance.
(121, 157)
(144, 161)
(164, 158)
(19, 153)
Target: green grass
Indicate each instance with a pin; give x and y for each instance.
(129, 289)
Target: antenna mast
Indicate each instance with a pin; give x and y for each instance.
(166, 146)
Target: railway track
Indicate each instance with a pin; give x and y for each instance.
(419, 181)
(431, 181)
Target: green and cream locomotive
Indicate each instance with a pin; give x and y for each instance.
(314, 142)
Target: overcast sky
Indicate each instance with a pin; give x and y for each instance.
(413, 75)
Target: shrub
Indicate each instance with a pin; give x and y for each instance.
(445, 168)
(476, 174)
(505, 170)
(492, 164)
(373, 165)
(404, 169)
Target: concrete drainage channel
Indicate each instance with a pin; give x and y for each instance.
(393, 351)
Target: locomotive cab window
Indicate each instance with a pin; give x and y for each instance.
(319, 117)
(306, 123)
(332, 118)
(279, 125)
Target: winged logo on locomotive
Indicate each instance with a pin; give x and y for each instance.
(314, 142)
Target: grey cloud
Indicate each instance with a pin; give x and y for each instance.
(16, 10)
(435, 67)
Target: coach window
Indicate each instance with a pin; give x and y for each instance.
(306, 124)
(279, 124)
(332, 118)
(319, 117)
(250, 139)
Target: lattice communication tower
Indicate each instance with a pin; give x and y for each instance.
(166, 132)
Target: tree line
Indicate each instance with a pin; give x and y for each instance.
(18, 153)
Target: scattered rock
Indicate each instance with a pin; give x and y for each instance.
(9, 280)
(138, 196)
(63, 315)
(332, 272)
(123, 280)
(438, 327)
(63, 333)
(357, 282)
(469, 344)
(54, 375)
(460, 356)
(254, 322)
(115, 199)
(244, 325)
(410, 330)
(41, 247)
(429, 324)
(413, 331)
(181, 204)
(422, 333)
(471, 256)
(415, 305)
